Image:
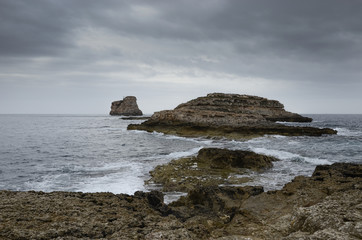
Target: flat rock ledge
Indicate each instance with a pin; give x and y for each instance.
(228, 115)
(327, 205)
(212, 166)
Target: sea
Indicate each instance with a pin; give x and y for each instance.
(96, 153)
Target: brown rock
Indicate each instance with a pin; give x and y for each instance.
(126, 107)
(327, 205)
(247, 106)
(212, 166)
(228, 115)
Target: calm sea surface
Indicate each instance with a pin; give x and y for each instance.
(92, 153)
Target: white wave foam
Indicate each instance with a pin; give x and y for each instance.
(283, 155)
(176, 155)
(275, 153)
(197, 140)
(276, 136)
(174, 137)
(157, 133)
(258, 140)
(347, 132)
(317, 161)
(136, 131)
(115, 183)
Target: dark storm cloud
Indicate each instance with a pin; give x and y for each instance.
(45, 27)
(318, 30)
(150, 41)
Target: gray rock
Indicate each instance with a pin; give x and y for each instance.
(231, 116)
(126, 107)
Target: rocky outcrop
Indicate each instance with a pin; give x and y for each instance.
(327, 205)
(212, 166)
(218, 107)
(228, 115)
(126, 107)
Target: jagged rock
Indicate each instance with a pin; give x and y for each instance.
(327, 205)
(212, 166)
(69, 215)
(126, 107)
(228, 115)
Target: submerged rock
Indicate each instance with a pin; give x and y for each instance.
(228, 115)
(126, 107)
(327, 205)
(212, 166)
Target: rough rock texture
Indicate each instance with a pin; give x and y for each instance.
(247, 108)
(126, 107)
(65, 215)
(327, 205)
(228, 115)
(212, 166)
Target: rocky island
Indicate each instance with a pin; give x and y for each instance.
(228, 115)
(126, 107)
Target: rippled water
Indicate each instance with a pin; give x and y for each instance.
(93, 153)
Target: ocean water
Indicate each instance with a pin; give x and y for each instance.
(93, 153)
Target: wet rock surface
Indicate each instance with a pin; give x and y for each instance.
(327, 205)
(212, 166)
(228, 115)
(126, 107)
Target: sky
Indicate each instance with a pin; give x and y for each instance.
(77, 56)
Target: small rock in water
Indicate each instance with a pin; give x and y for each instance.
(126, 107)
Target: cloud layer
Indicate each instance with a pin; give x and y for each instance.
(75, 56)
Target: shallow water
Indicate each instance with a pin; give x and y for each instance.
(92, 153)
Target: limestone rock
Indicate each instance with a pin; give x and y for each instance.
(126, 107)
(228, 115)
(327, 205)
(247, 106)
(212, 166)
(219, 109)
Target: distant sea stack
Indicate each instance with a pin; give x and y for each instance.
(228, 115)
(126, 107)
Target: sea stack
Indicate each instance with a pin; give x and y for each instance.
(126, 107)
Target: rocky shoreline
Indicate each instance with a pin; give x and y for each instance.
(327, 205)
(232, 116)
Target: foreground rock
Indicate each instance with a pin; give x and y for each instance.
(228, 115)
(212, 166)
(126, 107)
(327, 205)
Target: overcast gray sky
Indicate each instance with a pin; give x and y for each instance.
(77, 56)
